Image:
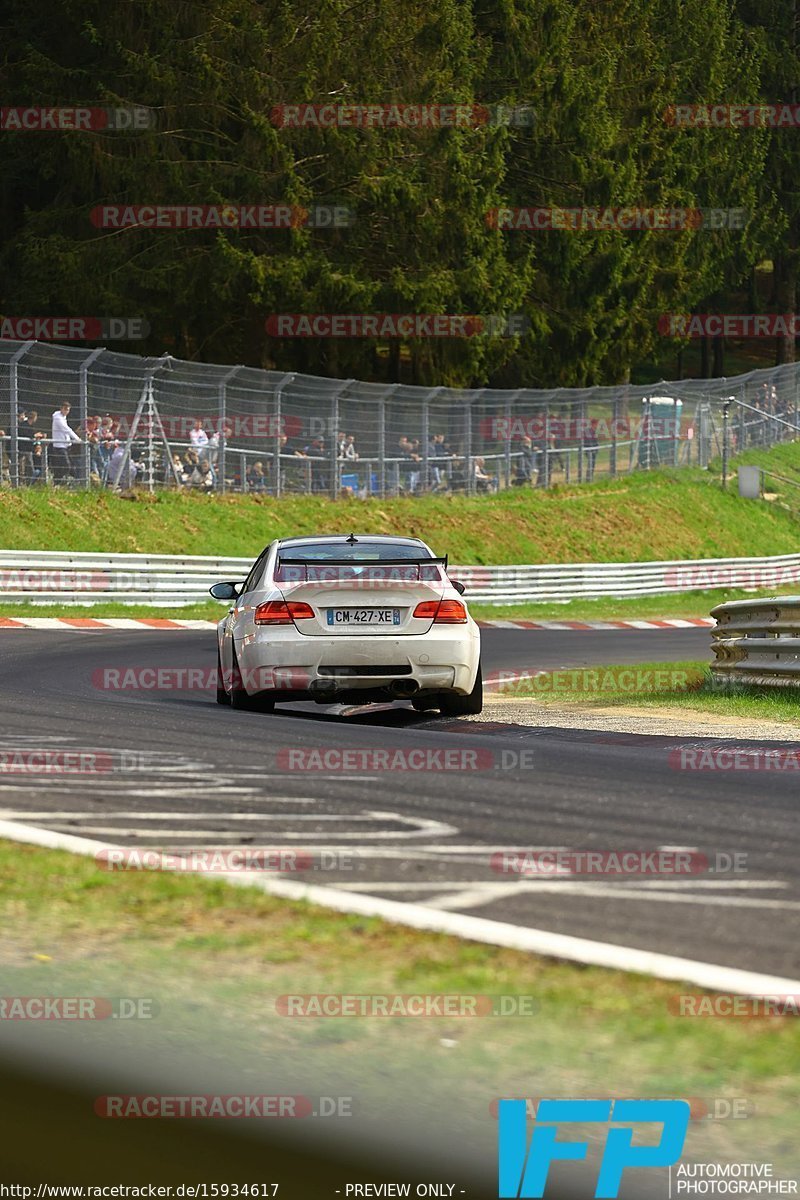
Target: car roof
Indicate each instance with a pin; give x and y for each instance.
(342, 537)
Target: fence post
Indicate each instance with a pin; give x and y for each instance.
(612, 449)
(335, 487)
(83, 409)
(509, 402)
(279, 428)
(382, 446)
(222, 421)
(13, 395)
(468, 447)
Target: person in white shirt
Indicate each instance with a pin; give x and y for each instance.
(198, 437)
(63, 437)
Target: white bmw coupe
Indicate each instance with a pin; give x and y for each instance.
(348, 619)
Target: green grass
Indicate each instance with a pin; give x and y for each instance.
(215, 958)
(689, 604)
(648, 515)
(686, 686)
(210, 610)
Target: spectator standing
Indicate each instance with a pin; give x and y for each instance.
(315, 450)
(590, 446)
(198, 437)
(63, 438)
(526, 464)
(408, 452)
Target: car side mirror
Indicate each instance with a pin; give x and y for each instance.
(225, 591)
(459, 586)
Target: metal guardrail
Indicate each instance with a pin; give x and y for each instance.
(757, 642)
(88, 578)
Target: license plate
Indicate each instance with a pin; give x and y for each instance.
(363, 616)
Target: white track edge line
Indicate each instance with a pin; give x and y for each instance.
(477, 929)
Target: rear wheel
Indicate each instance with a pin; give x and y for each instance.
(239, 697)
(453, 705)
(222, 695)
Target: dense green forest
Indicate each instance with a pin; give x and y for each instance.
(598, 80)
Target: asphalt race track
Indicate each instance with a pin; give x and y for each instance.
(185, 773)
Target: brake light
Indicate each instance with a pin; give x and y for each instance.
(281, 612)
(442, 612)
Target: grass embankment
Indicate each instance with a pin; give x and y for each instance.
(645, 516)
(683, 686)
(215, 958)
(655, 515)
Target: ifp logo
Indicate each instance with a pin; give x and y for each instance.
(523, 1171)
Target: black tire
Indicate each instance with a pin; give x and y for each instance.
(452, 705)
(239, 697)
(222, 695)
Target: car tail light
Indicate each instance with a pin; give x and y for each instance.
(281, 612)
(442, 612)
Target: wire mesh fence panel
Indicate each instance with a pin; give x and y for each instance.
(167, 423)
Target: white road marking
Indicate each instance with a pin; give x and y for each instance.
(488, 893)
(550, 885)
(9, 815)
(475, 929)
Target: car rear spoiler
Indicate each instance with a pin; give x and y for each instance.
(359, 562)
(327, 564)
